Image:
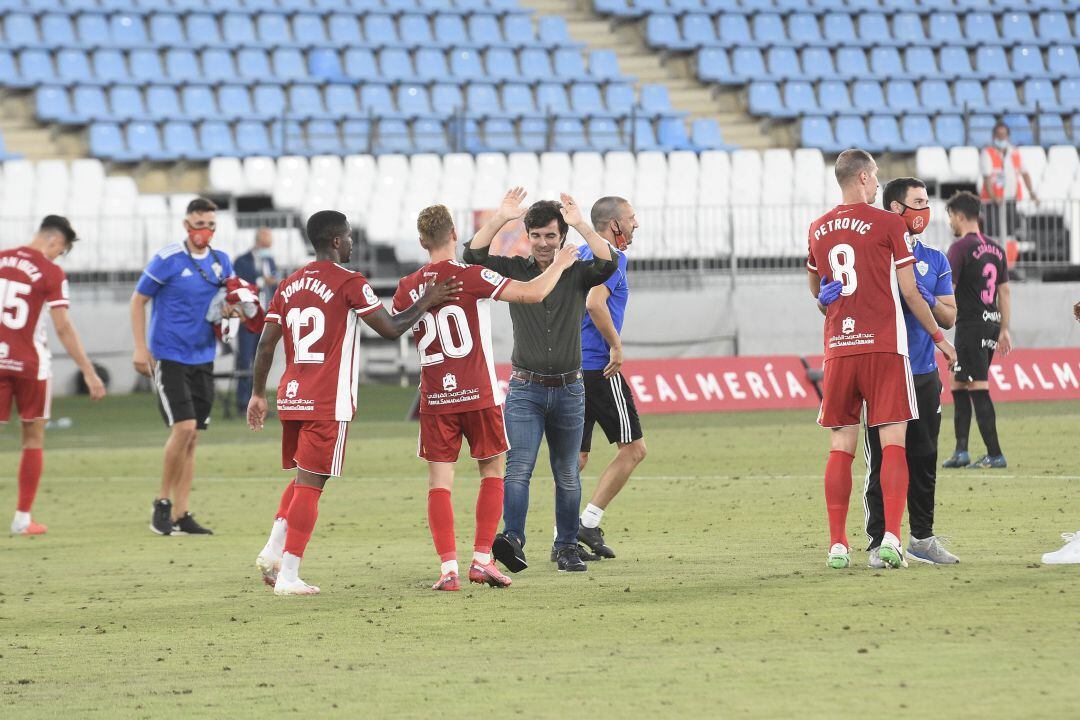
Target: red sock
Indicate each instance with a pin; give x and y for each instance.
(286, 501)
(440, 515)
(29, 477)
(489, 506)
(838, 494)
(894, 486)
(303, 511)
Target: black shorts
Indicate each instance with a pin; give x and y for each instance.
(608, 401)
(975, 345)
(184, 392)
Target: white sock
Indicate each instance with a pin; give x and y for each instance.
(275, 545)
(450, 566)
(22, 519)
(290, 568)
(554, 533)
(591, 517)
(481, 558)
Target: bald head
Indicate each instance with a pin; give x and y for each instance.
(605, 210)
(856, 174)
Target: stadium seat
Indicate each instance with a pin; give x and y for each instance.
(803, 29)
(1054, 27)
(344, 30)
(916, 131)
(21, 30)
(501, 64)
(783, 63)
(341, 100)
(734, 31)
(604, 134)
(945, 30)
(238, 30)
(52, 104)
(713, 66)
(884, 134)
(1027, 62)
(955, 63)
(990, 61)
(127, 30)
(817, 63)
(949, 130)
(934, 95)
(143, 141)
(466, 65)
(748, 64)
(763, 99)
(798, 98)
(968, 94)
(199, 102)
(1062, 62)
(450, 30)
(215, 139)
(416, 30)
(840, 30)
(535, 64)
(253, 64)
(201, 30)
(1039, 95)
(980, 28)
(392, 136)
(919, 62)
(852, 131)
(604, 65)
(126, 103)
(179, 141)
(482, 100)
(325, 64)
(901, 96)
(360, 64)
(851, 63)
(93, 30)
(866, 95)
(874, 30)
(106, 141)
(308, 30)
(517, 99)
(569, 64)
(586, 100)
(1051, 130)
(89, 104)
(1001, 95)
(885, 63)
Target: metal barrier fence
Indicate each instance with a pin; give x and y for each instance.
(671, 239)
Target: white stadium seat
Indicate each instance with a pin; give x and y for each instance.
(260, 173)
(226, 175)
(587, 177)
(620, 174)
(714, 178)
(682, 179)
(51, 188)
(556, 170)
(650, 180)
(965, 163)
(833, 196)
(932, 164)
(524, 169)
(809, 167)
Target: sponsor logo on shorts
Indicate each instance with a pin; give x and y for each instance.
(991, 316)
(291, 389)
(449, 382)
(990, 344)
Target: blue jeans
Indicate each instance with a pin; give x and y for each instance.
(531, 412)
(246, 344)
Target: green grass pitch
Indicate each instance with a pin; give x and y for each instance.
(719, 604)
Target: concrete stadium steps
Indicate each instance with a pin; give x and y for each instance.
(648, 66)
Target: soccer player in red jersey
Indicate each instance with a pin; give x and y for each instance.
(30, 281)
(459, 393)
(865, 249)
(320, 305)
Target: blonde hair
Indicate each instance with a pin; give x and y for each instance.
(434, 225)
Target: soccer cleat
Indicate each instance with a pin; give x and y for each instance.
(989, 462)
(489, 574)
(510, 552)
(569, 560)
(891, 553)
(161, 521)
(1068, 555)
(269, 567)
(583, 551)
(32, 528)
(187, 526)
(874, 561)
(449, 581)
(594, 539)
(959, 459)
(294, 587)
(931, 551)
(839, 557)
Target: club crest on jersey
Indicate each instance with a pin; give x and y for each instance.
(491, 276)
(5, 350)
(922, 267)
(848, 325)
(449, 382)
(291, 389)
(369, 295)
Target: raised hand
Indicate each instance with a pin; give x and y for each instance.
(566, 256)
(510, 208)
(436, 293)
(829, 291)
(570, 210)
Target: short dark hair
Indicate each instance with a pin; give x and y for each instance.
(605, 210)
(542, 212)
(324, 226)
(60, 224)
(850, 163)
(896, 190)
(1002, 124)
(201, 205)
(965, 203)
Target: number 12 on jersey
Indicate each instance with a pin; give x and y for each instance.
(298, 319)
(842, 262)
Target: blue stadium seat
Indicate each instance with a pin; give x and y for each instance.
(501, 64)
(360, 64)
(604, 65)
(586, 100)
(866, 96)
(35, 67)
(955, 63)
(392, 136)
(499, 134)
(916, 131)
(252, 64)
(919, 62)
(217, 64)
(949, 131)
(851, 63)
(395, 64)
(817, 63)
(518, 30)
(662, 31)
(269, 101)
(874, 30)
(1069, 96)
(52, 104)
(969, 94)
(485, 30)
(252, 138)
(990, 62)
(713, 66)
(324, 64)
(109, 66)
(341, 100)
(450, 31)
(431, 64)
(178, 140)
(803, 29)
(1017, 28)
(618, 8)
(143, 141)
(89, 103)
(58, 28)
(901, 96)
(783, 63)
(935, 96)
(344, 30)
(216, 140)
(1039, 95)
(734, 31)
(356, 136)
(380, 29)
(569, 64)
(238, 30)
(10, 71)
(199, 102)
(981, 28)
(126, 102)
(604, 134)
(446, 99)
(106, 141)
(945, 30)
(163, 102)
(1001, 95)
(416, 30)
(619, 98)
(644, 136)
(851, 131)
(705, 135)
(430, 136)
(799, 98)
(413, 100)
(764, 99)
(167, 30)
(671, 134)
(885, 63)
(323, 137)
(552, 31)
(816, 132)
(907, 29)
(840, 30)
(289, 64)
(466, 65)
(146, 67)
(980, 128)
(93, 30)
(1027, 62)
(128, 31)
(748, 64)
(71, 66)
(698, 30)
(518, 99)
(202, 31)
(1051, 130)
(1019, 128)
(376, 99)
(551, 99)
(654, 100)
(309, 30)
(535, 64)
(1054, 28)
(306, 101)
(769, 29)
(833, 96)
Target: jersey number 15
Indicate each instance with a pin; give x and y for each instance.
(16, 310)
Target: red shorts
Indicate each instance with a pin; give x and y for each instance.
(440, 434)
(33, 396)
(881, 380)
(317, 446)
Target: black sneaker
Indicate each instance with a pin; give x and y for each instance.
(594, 539)
(569, 560)
(161, 520)
(509, 551)
(583, 551)
(187, 526)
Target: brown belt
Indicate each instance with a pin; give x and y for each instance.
(546, 380)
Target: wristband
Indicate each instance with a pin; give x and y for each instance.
(937, 336)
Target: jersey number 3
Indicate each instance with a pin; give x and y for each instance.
(842, 261)
(298, 319)
(438, 325)
(16, 311)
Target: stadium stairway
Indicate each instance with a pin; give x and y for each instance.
(646, 65)
(24, 135)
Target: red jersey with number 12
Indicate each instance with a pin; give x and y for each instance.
(457, 364)
(861, 246)
(319, 308)
(29, 281)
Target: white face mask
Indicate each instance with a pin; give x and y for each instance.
(1001, 144)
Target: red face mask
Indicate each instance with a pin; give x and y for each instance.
(916, 219)
(620, 239)
(200, 237)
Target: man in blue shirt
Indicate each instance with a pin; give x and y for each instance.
(182, 280)
(257, 267)
(933, 275)
(608, 399)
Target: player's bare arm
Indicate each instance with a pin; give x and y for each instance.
(69, 338)
(905, 276)
(945, 311)
(509, 210)
(538, 288)
(394, 326)
(1005, 345)
(260, 370)
(571, 213)
(596, 306)
(813, 281)
(141, 358)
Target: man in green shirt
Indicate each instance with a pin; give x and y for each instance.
(547, 395)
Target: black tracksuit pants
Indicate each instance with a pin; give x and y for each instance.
(922, 442)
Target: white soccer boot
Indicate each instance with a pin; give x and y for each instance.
(1068, 555)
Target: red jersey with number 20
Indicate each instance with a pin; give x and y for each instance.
(29, 281)
(861, 246)
(319, 308)
(457, 364)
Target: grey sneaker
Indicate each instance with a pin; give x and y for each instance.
(930, 551)
(875, 561)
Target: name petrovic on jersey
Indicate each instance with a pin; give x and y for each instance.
(854, 224)
(308, 283)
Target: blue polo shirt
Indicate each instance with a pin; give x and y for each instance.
(595, 352)
(933, 272)
(178, 327)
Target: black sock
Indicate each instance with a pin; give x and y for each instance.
(961, 418)
(987, 419)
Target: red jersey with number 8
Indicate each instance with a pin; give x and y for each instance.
(319, 308)
(457, 364)
(29, 281)
(861, 246)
